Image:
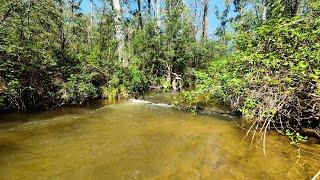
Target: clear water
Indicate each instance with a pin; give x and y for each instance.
(138, 140)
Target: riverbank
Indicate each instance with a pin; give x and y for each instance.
(176, 101)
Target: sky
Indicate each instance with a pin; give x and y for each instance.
(213, 21)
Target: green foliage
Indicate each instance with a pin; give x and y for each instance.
(169, 54)
(78, 89)
(42, 53)
(272, 73)
(295, 137)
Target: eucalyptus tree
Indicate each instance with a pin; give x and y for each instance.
(158, 13)
(120, 36)
(204, 34)
(140, 4)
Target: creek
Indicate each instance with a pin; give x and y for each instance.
(137, 139)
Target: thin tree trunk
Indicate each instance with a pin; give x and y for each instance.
(140, 2)
(300, 8)
(119, 32)
(195, 17)
(169, 71)
(91, 23)
(91, 15)
(149, 7)
(264, 13)
(61, 27)
(158, 13)
(205, 20)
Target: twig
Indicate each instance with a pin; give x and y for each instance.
(316, 176)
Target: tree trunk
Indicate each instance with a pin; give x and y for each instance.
(264, 13)
(119, 32)
(205, 20)
(149, 7)
(158, 13)
(300, 8)
(140, 2)
(91, 15)
(91, 23)
(195, 17)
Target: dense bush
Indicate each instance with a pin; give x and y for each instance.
(272, 75)
(52, 54)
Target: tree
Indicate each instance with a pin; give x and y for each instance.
(140, 3)
(91, 23)
(158, 13)
(149, 7)
(204, 34)
(119, 32)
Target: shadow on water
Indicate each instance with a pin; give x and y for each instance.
(7, 148)
(17, 118)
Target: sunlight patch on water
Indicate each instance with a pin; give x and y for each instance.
(160, 105)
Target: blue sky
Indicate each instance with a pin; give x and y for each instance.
(213, 21)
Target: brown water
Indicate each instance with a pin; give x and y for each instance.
(139, 140)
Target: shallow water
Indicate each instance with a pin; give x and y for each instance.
(140, 140)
